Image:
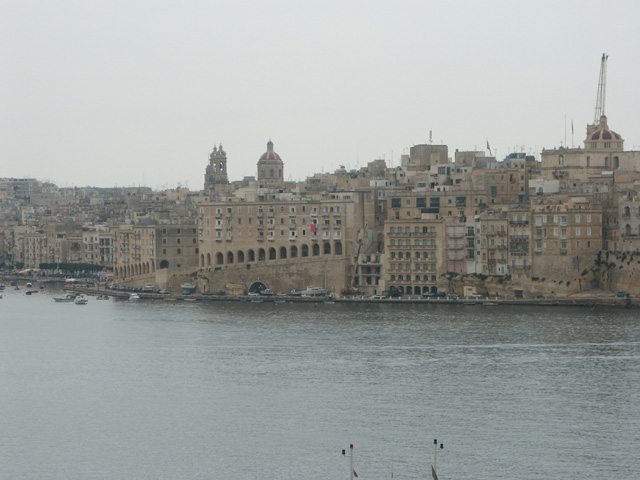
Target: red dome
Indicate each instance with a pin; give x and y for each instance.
(270, 155)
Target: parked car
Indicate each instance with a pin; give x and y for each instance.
(453, 296)
(475, 296)
(622, 294)
(378, 297)
(437, 295)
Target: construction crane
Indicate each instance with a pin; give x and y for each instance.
(602, 87)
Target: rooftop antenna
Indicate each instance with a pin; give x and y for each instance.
(602, 87)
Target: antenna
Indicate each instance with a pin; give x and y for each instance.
(602, 87)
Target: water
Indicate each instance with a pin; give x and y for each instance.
(156, 390)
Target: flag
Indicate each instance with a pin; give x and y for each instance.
(355, 474)
(489, 148)
(571, 127)
(313, 228)
(433, 473)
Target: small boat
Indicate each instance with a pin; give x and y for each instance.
(489, 304)
(66, 299)
(134, 297)
(80, 300)
(2, 287)
(29, 284)
(315, 292)
(102, 297)
(266, 292)
(187, 288)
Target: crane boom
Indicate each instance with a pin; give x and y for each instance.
(602, 87)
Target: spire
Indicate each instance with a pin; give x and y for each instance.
(269, 146)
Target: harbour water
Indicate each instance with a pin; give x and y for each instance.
(159, 390)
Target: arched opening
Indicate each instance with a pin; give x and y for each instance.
(305, 250)
(294, 251)
(316, 250)
(434, 289)
(252, 256)
(627, 211)
(271, 173)
(261, 254)
(208, 259)
(401, 290)
(337, 248)
(164, 264)
(202, 259)
(257, 287)
(272, 253)
(409, 291)
(627, 229)
(153, 266)
(229, 257)
(327, 248)
(283, 252)
(240, 256)
(219, 258)
(425, 290)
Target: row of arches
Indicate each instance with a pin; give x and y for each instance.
(272, 253)
(126, 272)
(417, 290)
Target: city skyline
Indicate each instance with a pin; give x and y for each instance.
(127, 95)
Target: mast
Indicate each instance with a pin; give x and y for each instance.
(602, 87)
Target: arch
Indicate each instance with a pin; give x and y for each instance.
(401, 290)
(208, 259)
(337, 248)
(627, 230)
(326, 248)
(434, 289)
(271, 174)
(283, 252)
(262, 254)
(219, 258)
(240, 256)
(202, 259)
(409, 290)
(229, 257)
(316, 250)
(252, 255)
(136, 271)
(425, 290)
(164, 264)
(294, 251)
(627, 211)
(153, 266)
(305, 250)
(257, 287)
(272, 253)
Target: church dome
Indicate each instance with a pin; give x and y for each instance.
(270, 156)
(602, 132)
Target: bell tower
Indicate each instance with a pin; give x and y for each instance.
(216, 180)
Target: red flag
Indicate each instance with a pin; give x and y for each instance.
(355, 474)
(313, 228)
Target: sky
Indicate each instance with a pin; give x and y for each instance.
(135, 92)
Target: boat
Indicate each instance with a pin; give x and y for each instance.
(490, 304)
(315, 292)
(80, 300)
(66, 299)
(29, 284)
(102, 297)
(134, 297)
(266, 292)
(2, 287)
(187, 288)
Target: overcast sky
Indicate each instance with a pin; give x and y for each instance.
(138, 92)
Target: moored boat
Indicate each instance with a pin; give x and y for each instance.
(80, 300)
(66, 299)
(315, 292)
(134, 297)
(187, 288)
